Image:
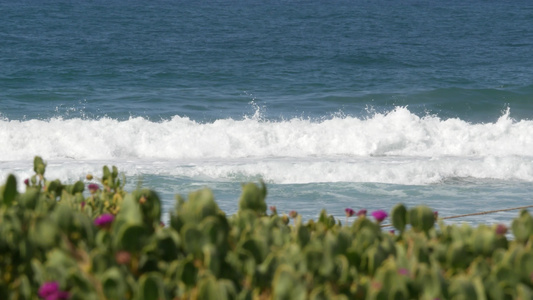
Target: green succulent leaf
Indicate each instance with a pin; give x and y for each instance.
(253, 198)
(522, 227)
(39, 165)
(151, 288)
(208, 289)
(422, 218)
(44, 233)
(9, 191)
(131, 237)
(113, 284)
(399, 217)
(287, 285)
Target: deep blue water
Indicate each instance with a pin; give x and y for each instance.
(334, 104)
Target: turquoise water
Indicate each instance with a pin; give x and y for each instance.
(340, 104)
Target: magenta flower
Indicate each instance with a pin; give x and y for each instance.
(349, 212)
(501, 229)
(93, 188)
(379, 215)
(403, 271)
(50, 291)
(293, 214)
(361, 213)
(48, 288)
(104, 220)
(82, 204)
(273, 209)
(27, 182)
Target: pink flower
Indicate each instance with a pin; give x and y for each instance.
(93, 188)
(379, 215)
(361, 213)
(273, 209)
(104, 220)
(403, 271)
(50, 291)
(501, 229)
(349, 212)
(27, 182)
(48, 288)
(293, 214)
(436, 214)
(122, 257)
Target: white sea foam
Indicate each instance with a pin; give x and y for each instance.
(396, 147)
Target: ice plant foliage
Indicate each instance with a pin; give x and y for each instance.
(201, 251)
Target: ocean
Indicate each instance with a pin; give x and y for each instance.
(334, 104)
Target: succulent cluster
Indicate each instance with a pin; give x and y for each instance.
(57, 243)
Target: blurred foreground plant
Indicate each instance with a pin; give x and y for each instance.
(57, 242)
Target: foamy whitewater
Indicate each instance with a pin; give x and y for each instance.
(395, 148)
(334, 105)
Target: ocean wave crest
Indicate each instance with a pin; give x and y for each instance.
(396, 133)
(397, 147)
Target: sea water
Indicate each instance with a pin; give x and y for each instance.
(360, 104)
